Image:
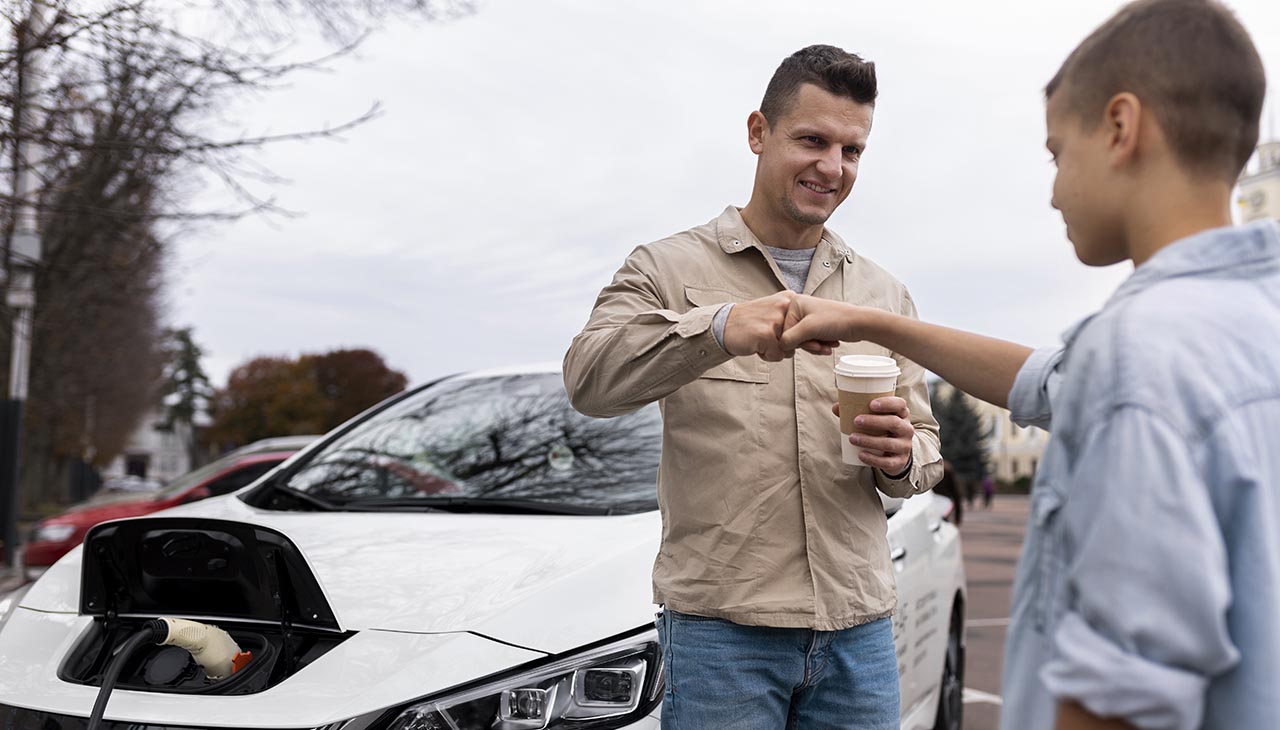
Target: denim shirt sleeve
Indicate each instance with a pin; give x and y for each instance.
(1035, 387)
(1148, 588)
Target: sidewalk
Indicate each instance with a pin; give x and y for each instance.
(10, 578)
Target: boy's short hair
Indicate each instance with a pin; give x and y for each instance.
(1191, 62)
(832, 69)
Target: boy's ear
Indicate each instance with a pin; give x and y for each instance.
(1123, 121)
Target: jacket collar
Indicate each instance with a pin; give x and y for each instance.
(734, 236)
(1231, 251)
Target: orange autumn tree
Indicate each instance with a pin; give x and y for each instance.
(279, 396)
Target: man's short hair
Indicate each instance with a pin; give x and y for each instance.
(1191, 63)
(832, 69)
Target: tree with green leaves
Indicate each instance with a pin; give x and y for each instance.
(187, 391)
(964, 437)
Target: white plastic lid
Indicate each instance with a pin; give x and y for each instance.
(868, 366)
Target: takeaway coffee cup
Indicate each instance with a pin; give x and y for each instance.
(861, 379)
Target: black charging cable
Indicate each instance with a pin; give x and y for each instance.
(154, 631)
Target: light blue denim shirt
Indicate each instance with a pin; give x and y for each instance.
(1149, 583)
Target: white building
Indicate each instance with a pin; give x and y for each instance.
(1014, 451)
(153, 452)
(1259, 191)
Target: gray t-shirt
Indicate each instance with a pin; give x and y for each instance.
(794, 265)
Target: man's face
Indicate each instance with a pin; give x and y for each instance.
(809, 157)
(1085, 188)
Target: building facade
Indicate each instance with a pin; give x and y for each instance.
(1014, 452)
(153, 452)
(1259, 185)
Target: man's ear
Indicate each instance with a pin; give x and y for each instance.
(1123, 119)
(757, 128)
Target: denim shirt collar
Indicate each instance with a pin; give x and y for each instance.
(1248, 248)
(1242, 248)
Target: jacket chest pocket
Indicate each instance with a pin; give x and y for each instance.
(739, 369)
(1049, 560)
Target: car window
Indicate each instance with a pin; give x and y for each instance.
(194, 477)
(510, 438)
(241, 477)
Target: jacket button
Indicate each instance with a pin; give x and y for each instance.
(826, 264)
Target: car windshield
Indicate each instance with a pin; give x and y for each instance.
(485, 442)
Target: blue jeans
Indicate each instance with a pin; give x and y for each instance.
(724, 675)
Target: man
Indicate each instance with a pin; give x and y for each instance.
(1149, 582)
(774, 568)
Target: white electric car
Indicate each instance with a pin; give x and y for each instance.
(471, 554)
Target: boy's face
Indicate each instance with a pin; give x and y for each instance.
(1085, 189)
(808, 159)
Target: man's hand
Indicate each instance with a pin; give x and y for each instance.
(755, 327)
(818, 325)
(890, 452)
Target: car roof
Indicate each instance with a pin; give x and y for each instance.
(538, 368)
(278, 443)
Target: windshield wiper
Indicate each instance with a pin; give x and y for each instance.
(278, 485)
(493, 505)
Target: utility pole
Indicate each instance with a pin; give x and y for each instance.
(22, 261)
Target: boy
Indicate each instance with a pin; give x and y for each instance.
(1149, 582)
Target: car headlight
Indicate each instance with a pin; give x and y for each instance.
(610, 686)
(52, 533)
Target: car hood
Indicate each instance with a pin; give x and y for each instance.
(547, 583)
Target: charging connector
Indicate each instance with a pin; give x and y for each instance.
(152, 632)
(212, 648)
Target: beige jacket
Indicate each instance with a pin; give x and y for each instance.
(763, 524)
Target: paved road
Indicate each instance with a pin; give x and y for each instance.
(991, 539)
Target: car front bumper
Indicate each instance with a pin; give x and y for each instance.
(17, 717)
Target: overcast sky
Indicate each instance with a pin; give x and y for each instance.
(526, 150)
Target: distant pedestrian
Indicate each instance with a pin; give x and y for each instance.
(952, 489)
(988, 491)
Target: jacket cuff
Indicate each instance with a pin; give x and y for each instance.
(921, 474)
(699, 346)
(1029, 403)
(1109, 681)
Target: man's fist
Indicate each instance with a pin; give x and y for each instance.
(818, 325)
(755, 327)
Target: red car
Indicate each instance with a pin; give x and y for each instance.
(54, 537)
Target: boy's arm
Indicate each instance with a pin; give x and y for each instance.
(983, 367)
(1144, 627)
(1072, 716)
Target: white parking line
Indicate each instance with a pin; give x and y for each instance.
(977, 696)
(986, 623)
